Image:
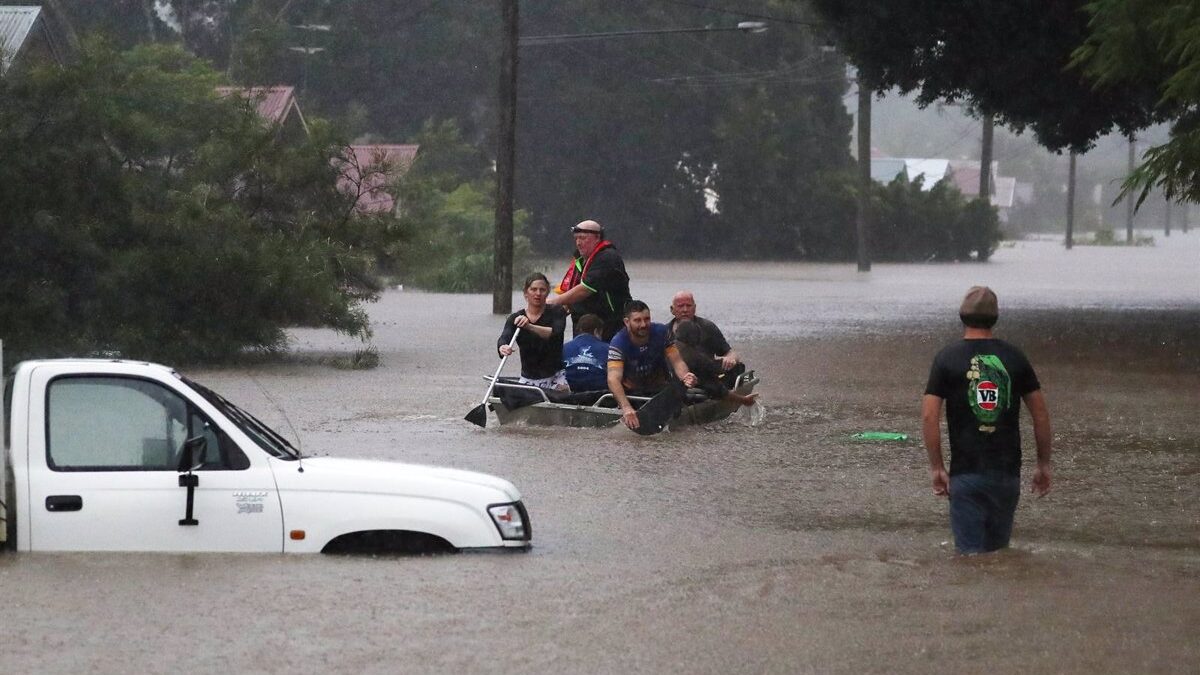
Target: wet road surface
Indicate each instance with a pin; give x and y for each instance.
(782, 547)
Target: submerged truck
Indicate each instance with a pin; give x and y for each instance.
(116, 455)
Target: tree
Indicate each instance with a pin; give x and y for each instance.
(144, 215)
(1012, 59)
(1154, 44)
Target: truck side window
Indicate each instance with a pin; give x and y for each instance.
(99, 423)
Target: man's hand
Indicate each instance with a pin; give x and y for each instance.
(941, 481)
(505, 350)
(728, 361)
(689, 379)
(629, 417)
(1041, 480)
(521, 321)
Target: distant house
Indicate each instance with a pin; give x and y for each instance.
(276, 105)
(886, 169)
(368, 171)
(1002, 190)
(930, 171)
(31, 34)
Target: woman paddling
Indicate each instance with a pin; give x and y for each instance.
(541, 337)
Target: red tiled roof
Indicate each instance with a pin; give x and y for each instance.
(373, 198)
(273, 103)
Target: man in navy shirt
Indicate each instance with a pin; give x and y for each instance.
(585, 356)
(982, 381)
(638, 360)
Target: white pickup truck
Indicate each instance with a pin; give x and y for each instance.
(130, 456)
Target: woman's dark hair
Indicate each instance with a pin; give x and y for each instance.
(688, 333)
(536, 276)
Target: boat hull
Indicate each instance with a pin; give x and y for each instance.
(598, 415)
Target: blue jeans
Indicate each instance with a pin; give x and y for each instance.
(982, 506)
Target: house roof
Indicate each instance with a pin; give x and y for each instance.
(886, 169)
(372, 160)
(275, 104)
(16, 23)
(930, 170)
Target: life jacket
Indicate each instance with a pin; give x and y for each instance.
(576, 271)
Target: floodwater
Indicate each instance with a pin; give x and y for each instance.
(779, 547)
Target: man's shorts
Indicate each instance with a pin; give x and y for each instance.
(982, 506)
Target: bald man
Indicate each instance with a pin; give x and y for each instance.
(596, 282)
(712, 342)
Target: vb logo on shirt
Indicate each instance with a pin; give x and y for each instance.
(989, 388)
(987, 394)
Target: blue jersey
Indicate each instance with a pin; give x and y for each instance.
(584, 359)
(645, 365)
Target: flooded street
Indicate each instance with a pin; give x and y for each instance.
(782, 547)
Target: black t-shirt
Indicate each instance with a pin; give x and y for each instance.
(712, 341)
(539, 358)
(609, 283)
(983, 382)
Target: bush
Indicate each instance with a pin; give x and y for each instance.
(144, 215)
(939, 224)
(449, 217)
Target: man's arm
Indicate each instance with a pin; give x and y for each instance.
(931, 432)
(1043, 437)
(679, 366)
(616, 371)
(577, 294)
(730, 359)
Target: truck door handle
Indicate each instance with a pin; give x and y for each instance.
(64, 503)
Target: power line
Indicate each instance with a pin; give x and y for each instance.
(749, 15)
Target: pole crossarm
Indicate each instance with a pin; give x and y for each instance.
(536, 40)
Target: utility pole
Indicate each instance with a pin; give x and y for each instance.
(506, 163)
(1071, 202)
(985, 159)
(1129, 195)
(862, 219)
(1167, 219)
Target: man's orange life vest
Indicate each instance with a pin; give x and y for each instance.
(576, 271)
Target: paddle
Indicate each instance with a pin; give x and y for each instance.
(655, 414)
(478, 414)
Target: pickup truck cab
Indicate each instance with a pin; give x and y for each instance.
(107, 455)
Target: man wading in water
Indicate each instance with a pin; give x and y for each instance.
(982, 379)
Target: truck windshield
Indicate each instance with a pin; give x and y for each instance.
(263, 435)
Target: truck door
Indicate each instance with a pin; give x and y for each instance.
(105, 475)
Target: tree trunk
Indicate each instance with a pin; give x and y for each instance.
(862, 220)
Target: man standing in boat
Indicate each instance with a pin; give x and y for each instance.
(596, 282)
(638, 360)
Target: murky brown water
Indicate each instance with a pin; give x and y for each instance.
(783, 547)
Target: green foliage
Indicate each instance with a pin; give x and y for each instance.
(1155, 44)
(1106, 237)
(912, 224)
(449, 215)
(1011, 58)
(149, 217)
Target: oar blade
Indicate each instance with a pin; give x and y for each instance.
(478, 415)
(657, 413)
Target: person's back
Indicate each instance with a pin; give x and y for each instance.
(585, 358)
(982, 381)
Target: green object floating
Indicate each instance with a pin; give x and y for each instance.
(880, 436)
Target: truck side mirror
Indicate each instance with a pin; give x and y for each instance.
(192, 456)
(190, 459)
